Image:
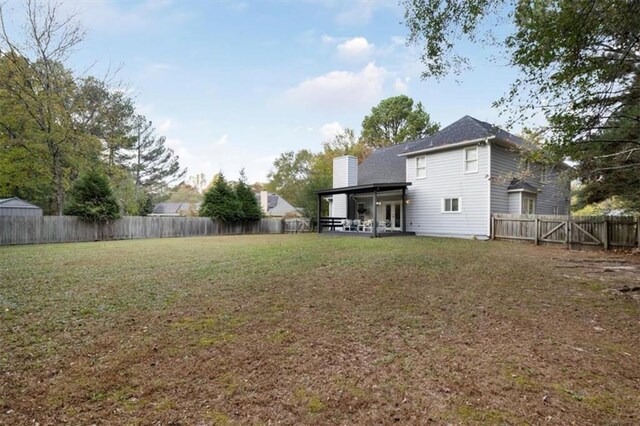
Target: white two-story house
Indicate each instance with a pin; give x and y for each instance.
(449, 183)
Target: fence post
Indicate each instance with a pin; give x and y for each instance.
(638, 231)
(605, 238)
(493, 227)
(535, 228)
(569, 231)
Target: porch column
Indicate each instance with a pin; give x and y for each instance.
(319, 212)
(404, 205)
(375, 213)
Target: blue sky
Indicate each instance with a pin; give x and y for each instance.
(233, 84)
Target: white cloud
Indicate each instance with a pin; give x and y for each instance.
(401, 86)
(330, 130)
(327, 39)
(223, 140)
(340, 89)
(355, 49)
(164, 126)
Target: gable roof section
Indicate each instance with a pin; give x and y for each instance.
(520, 185)
(276, 205)
(467, 129)
(174, 208)
(15, 202)
(384, 165)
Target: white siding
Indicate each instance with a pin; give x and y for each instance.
(446, 179)
(515, 203)
(345, 171)
(339, 206)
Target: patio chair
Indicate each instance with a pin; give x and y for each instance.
(367, 226)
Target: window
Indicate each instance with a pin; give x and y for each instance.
(471, 160)
(544, 173)
(421, 167)
(556, 210)
(451, 205)
(528, 205)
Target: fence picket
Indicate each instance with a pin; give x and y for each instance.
(607, 232)
(56, 229)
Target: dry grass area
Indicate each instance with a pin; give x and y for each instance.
(317, 330)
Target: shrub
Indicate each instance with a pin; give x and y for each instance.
(92, 198)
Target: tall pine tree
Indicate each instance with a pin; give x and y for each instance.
(220, 202)
(250, 209)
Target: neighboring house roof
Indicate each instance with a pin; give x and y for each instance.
(277, 206)
(520, 185)
(464, 130)
(384, 165)
(15, 202)
(174, 209)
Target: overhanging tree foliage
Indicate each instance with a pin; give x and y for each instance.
(579, 62)
(395, 120)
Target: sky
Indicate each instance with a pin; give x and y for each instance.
(233, 84)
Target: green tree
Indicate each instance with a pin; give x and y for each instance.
(395, 120)
(247, 198)
(297, 175)
(35, 78)
(579, 62)
(91, 198)
(153, 165)
(184, 193)
(289, 174)
(220, 202)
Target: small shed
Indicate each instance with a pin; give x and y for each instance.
(18, 207)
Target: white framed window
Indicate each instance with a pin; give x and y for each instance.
(528, 205)
(556, 210)
(421, 167)
(471, 160)
(451, 205)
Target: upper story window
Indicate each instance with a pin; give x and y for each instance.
(421, 167)
(471, 160)
(544, 173)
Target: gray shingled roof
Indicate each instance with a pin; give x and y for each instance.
(15, 202)
(517, 184)
(465, 129)
(276, 205)
(174, 208)
(384, 166)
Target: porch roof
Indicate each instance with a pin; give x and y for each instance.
(360, 189)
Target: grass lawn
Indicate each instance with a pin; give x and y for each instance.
(316, 330)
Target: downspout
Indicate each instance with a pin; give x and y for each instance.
(488, 142)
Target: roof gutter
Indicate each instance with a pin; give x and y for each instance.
(445, 147)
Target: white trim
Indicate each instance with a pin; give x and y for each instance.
(464, 160)
(442, 210)
(443, 147)
(528, 191)
(416, 167)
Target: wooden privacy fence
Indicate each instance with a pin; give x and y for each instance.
(297, 225)
(62, 229)
(577, 232)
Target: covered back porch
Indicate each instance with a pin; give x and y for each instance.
(368, 210)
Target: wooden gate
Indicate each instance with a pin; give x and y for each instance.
(599, 232)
